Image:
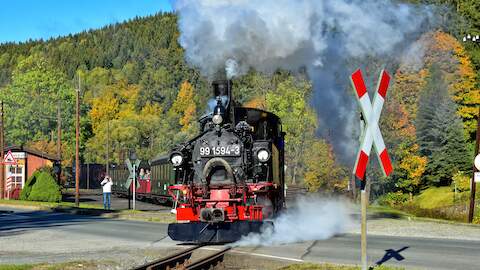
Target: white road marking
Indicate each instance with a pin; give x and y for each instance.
(257, 254)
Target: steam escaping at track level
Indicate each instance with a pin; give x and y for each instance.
(311, 218)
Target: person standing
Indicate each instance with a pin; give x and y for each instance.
(107, 191)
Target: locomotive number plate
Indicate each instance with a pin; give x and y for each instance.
(227, 150)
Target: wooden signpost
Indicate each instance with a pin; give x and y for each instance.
(371, 135)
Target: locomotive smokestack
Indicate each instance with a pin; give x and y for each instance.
(222, 87)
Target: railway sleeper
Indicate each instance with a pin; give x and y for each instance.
(212, 261)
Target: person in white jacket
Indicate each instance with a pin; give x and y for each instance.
(107, 191)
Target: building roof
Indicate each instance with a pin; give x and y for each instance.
(15, 148)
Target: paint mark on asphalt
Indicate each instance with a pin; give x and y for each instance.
(258, 255)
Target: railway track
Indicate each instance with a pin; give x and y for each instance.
(181, 260)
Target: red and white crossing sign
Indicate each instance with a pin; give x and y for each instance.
(371, 113)
(9, 159)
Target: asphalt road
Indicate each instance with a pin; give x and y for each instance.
(21, 233)
(117, 203)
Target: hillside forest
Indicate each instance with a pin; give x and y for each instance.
(137, 92)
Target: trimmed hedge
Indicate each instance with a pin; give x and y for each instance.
(41, 186)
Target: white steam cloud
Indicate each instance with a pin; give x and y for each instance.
(322, 37)
(310, 219)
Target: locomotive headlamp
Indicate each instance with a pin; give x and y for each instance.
(217, 119)
(263, 155)
(176, 159)
(218, 112)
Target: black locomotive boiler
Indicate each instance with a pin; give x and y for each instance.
(230, 177)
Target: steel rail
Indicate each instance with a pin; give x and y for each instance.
(206, 262)
(169, 262)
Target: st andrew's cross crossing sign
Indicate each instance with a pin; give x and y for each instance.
(371, 114)
(132, 169)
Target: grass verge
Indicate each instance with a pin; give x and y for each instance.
(434, 204)
(380, 211)
(312, 266)
(435, 197)
(57, 266)
(46, 205)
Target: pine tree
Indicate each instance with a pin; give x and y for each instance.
(440, 132)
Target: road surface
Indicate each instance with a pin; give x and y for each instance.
(39, 236)
(117, 203)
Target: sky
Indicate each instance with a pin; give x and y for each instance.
(21, 20)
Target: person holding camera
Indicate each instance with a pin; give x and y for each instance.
(107, 191)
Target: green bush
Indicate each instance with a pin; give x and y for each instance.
(462, 181)
(41, 186)
(393, 199)
(25, 193)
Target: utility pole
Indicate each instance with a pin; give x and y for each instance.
(2, 151)
(77, 146)
(59, 140)
(108, 147)
(473, 185)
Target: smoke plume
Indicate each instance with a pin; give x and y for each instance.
(310, 219)
(325, 38)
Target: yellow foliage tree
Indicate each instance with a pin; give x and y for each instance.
(257, 102)
(185, 108)
(45, 146)
(321, 170)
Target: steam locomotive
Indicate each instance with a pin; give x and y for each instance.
(229, 178)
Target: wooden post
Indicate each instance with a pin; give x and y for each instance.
(107, 169)
(59, 141)
(364, 203)
(471, 210)
(77, 148)
(88, 175)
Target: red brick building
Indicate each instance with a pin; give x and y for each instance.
(28, 161)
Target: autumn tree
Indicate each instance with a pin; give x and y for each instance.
(31, 102)
(321, 170)
(449, 55)
(290, 102)
(184, 110)
(399, 133)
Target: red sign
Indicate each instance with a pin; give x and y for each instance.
(9, 159)
(371, 113)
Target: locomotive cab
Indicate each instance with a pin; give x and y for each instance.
(229, 177)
